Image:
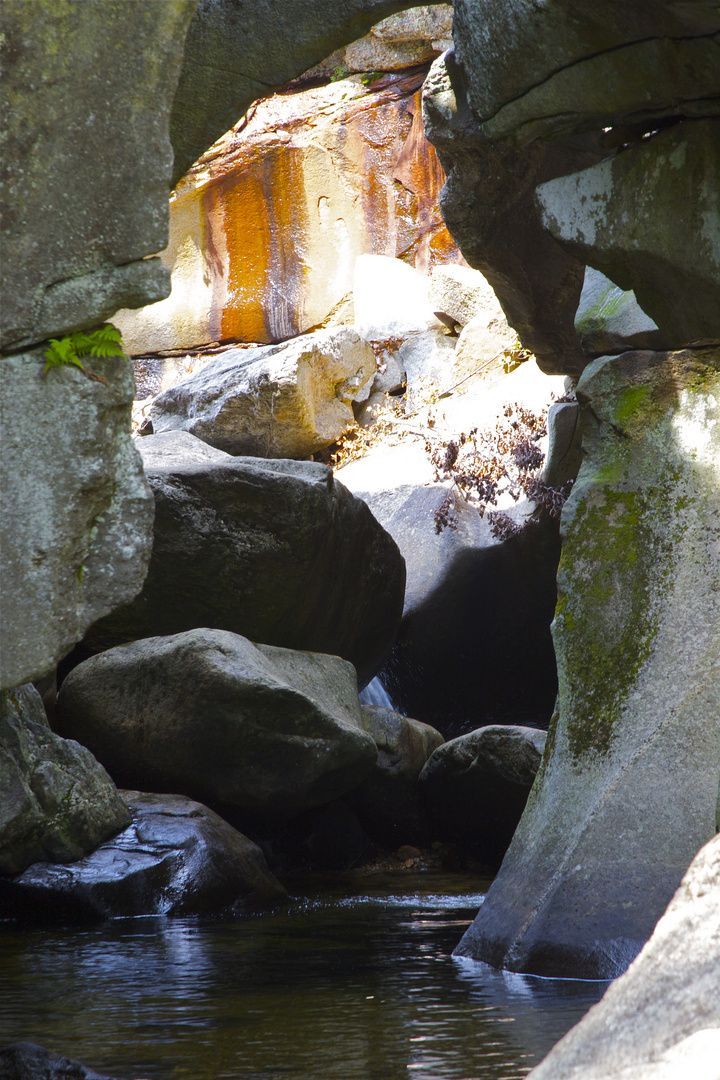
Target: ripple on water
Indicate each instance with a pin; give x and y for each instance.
(334, 987)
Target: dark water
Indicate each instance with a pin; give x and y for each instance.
(353, 984)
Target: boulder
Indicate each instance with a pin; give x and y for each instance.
(87, 162)
(483, 347)
(267, 731)
(56, 801)
(472, 600)
(474, 788)
(634, 747)
(266, 228)
(488, 203)
(281, 401)
(391, 299)
(621, 215)
(464, 294)
(564, 456)
(386, 801)
(234, 55)
(428, 362)
(175, 858)
(28, 1061)
(76, 511)
(610, 320)
(661, 1019)
(275, 550)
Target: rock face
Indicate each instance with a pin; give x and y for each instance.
(56, 801)
(28, 1061)
(208, 714)
(286, 400)
(489, 206)
(386, 801)
(390, 299)
(76, 509)
(634, 748)
(235, 55)
(474, 788)
(662, 1018)
(87, 163)
(609, 320)
(277, 551)
(266, 228)
(175, 858)
(617, 213)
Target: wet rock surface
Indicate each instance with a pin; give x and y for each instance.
(207, 713)
(175, 858)
(277, 551)
(635, 744)
(28, 1061)
(56, 801)
(474, 788)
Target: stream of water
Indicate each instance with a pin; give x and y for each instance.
(352, 982)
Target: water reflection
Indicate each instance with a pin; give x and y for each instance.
(335, 987)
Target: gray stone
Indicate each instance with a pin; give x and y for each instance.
(76, 509)
(56, 801)
(88, 91)
(622, 216)
(208, 714)
(373, 54)
(427, 360)
(508, 47)
(463, 294)
(427, 22)
(474, 788)
(661, 1019)
(634, 748)
(176, 857)
(235, 53)
(609, 320)
(488, 204)
(564, 455)
(275, 550)
(28, 1061)
(386, 801)
(278, 401)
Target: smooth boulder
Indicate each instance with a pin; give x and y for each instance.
(277, 551)
(176, 857)
(56, 801)
(474, 788)
(634, 747)
(386, 801)
(610, 320)
(281, 401)
(207, 713)
(661, 1019)
(28, 1061)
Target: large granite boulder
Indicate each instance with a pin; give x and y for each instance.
(610, 320)
(208, 714)
(88, 90)
(56, 801)
(176, 857)
(621, 216)
(488, 203)
(235, 53)
(473, 789)
(275, 550)
(661, 1019)
(281, 401)
(387, 801)
(634, 748)
(266, 228)
(76, 521)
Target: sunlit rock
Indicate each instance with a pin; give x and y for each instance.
(280, 401)
(627, 792)
(390, 299)
(266, 228)
(610, 320)
(266, 731)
